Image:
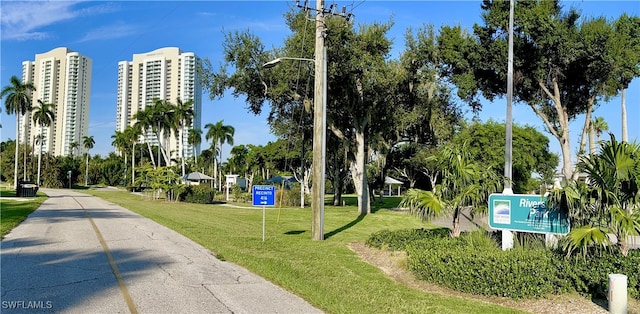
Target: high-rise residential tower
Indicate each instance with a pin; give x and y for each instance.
(61, 77)
(165, 73)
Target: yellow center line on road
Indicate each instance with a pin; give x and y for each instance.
(112, 262)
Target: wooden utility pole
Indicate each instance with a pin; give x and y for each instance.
(320, 117)
(319, 128)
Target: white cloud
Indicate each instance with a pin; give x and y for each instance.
(116, 30)
(27, 20)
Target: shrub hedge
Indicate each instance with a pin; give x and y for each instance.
(200, 194)
(472, 265)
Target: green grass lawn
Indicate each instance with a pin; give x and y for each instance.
(325, 273)
(13, 212)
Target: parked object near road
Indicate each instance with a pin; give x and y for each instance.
(27, 189)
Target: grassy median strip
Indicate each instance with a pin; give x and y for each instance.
(326, 273)
(14, 210)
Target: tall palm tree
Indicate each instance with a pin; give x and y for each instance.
(183, 118)
(131, 135)
(87, 142)
(160, 118)
(596, 127)
(194, 139)
(43, 116)
(73, 146)
(219, 134)
(144, 122)
(121, 145)
(600, 126)
(18, 102)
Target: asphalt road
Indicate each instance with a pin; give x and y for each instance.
(80, 254)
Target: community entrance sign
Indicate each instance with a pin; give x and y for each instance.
(527, 213)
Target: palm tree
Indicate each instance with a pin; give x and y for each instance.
(121, 144)
(131, 135)
(72, 147)
(464, 184)
(219, 133)
(608, 203)
(43, 116)
(183, 117)
(144, 122)
(160, 118)
(18, 102)
(194, 139)
(600, 126)
(87, 142)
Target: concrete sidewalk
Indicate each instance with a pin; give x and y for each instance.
(80, 254)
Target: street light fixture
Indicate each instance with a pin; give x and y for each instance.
(319, 138)
(275, 61)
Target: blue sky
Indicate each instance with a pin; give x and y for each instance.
(109, 32)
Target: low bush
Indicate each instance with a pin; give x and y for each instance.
(486, 270)
(475, 264)
(200, 194)
(590, 275)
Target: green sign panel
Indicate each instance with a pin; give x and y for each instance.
(528, 213)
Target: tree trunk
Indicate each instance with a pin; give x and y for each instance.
(151, 155)
(40, 155)
(24, 153)
(359, 174)
(133, 164)
(561, 133)
(625, 135)
(15, 161)
(181, 147)
(337, 192)
(220, 178)
(624, 246)
(592, 140)
(86, 170)
(215, 171)
(588, 124)
(565, 147)
(455, 232)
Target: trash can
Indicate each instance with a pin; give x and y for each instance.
(27, 189)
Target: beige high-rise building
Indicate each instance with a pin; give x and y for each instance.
(61, 77)
(165, 73)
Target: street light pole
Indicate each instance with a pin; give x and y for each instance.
(507, 236)
(319, 128)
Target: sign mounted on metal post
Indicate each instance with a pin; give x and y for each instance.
(527, 213)
(264, 195)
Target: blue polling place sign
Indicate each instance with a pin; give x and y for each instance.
(264, 195)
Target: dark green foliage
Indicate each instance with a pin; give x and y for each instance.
(463, 267)
(112, 170)
(473, 263)
(530, 152)
(200, 194)
(398, 239)
(590, 275)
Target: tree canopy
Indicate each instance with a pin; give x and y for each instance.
(562, 63)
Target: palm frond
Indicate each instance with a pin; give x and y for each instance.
(424, 204)
(583, 238)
